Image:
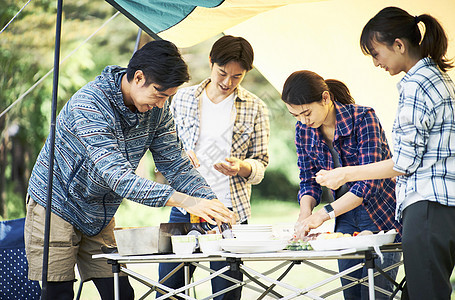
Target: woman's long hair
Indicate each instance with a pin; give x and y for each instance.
(305, 87)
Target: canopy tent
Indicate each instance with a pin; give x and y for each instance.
(322, 36)
(189, 22)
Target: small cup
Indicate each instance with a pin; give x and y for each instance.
(210, 243)
(183, 244)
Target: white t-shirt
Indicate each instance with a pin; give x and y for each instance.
(214, 143)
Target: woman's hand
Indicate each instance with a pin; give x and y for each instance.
(303, 226)
(332, 179)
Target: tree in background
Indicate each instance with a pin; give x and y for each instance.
(26, 55)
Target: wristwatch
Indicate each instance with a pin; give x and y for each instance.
(329, 210)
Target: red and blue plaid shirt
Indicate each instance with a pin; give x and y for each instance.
(359, 140)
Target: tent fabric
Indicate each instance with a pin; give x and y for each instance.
(321, 36)
(189, 22)
(155, 16)
(14, 283)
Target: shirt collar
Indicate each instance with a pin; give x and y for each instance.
(423, 63)
(344, 120)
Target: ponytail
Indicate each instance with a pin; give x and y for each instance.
(434, 43)
(305, 87)
(339, 91)
(393, 22)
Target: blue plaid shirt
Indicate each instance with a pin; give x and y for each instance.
(359, 140)
(424, 136)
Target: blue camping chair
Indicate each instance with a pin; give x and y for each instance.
(14, 283)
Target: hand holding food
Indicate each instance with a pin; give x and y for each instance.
(303, 227)
(332, 179)
(204, 208)
(230, 168)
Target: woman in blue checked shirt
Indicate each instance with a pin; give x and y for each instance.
(424, 136)
(332, 132)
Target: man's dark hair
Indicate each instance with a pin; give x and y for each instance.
(231, 48)
(161, 63)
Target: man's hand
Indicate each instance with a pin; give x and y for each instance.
(233, 166)
(193, 158)
(332, 179)
(204, 208)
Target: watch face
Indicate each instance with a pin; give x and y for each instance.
(328, 208)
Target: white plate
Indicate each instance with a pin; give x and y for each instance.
(364, 241)
(247, 246)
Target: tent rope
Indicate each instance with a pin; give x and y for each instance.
(21, 97)
(15, 16)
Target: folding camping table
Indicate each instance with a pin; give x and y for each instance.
(285, 259)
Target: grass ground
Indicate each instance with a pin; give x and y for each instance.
(264, 212)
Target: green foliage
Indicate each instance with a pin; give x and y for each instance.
(275, 186)
(15, 205)
(26, 55)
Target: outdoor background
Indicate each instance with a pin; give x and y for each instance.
(26, 55)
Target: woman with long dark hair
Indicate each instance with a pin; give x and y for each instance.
(332, 131)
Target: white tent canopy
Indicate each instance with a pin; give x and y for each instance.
(324, 37)
(289, 35)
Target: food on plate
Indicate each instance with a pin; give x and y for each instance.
(335, 235)
(365, 232)
(299, 245)
(331, 235)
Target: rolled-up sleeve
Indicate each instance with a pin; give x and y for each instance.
(257, 155)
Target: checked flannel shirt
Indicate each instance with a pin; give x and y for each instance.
(359, 139)
(424, 136)
(249, 141)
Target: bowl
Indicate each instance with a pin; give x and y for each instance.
(210, 243)
(183, 244)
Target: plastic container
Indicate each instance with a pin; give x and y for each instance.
(210, 243)
(183, 244)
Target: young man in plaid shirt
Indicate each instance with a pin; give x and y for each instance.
(225, 131)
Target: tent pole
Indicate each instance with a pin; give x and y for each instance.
(58, 29)
(138, 40)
